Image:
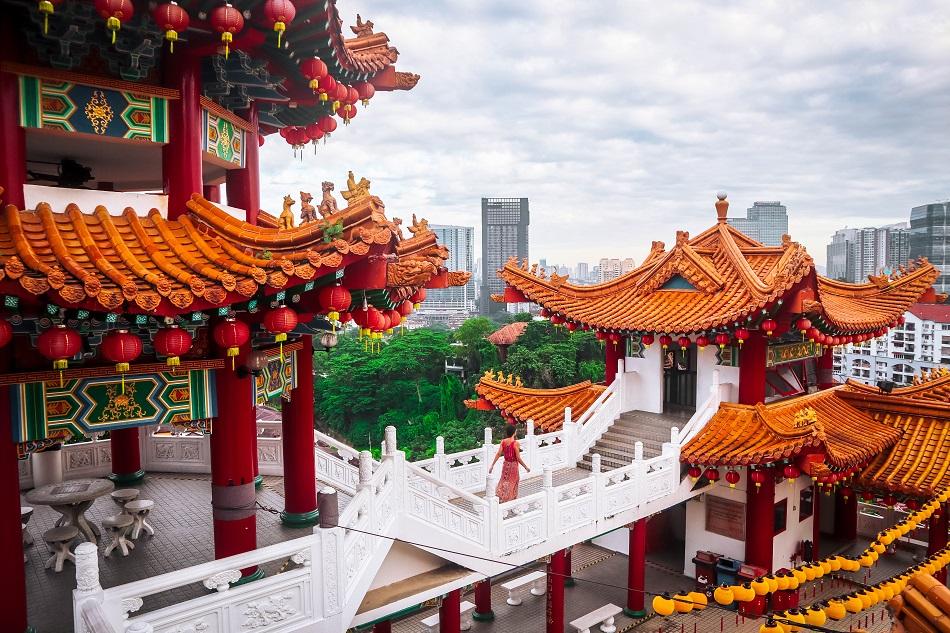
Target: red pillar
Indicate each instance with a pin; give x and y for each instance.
(938, 539)
(846, 517)
(752, 369)
(13, 597)
(450, 620)
(212, 193)
(613, 352)
(636, 569)
(816, 523)
(13, 147)
(126, 457)
(384, 626)
(300, 478)
(483, 610)
(555, 593)
(181, 156)
(244, 185)
(760, 521)
(826, 365)
(568, 568)
(232, 477)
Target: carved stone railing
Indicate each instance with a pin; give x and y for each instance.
(336, 463)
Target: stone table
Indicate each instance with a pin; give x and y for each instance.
(71, 499)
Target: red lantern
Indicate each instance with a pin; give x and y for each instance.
(327, 88)
(694, 472)
(121, 347)
(327, 123)
(376, 321)
(405, 308)
(365, 90)
(742, 335)
(347, 112)
(665, 340)
(722, 339)
(115, 12)
(712, 474)
(647, 340)
(314, 70)
(768, 326)
(757, 477)
(394, 319)
(172, 342)
(59, 344)
(231, 334)
(683, 342)
(557, 319)
(6, 332)
(334, 299)
(791, 472)
(345, 317)
(418, 297)
(279, 322)
(571, 326)
(913, 505)
(803, 324)
(732, 477)
(47, 8)
(846, 492)
(227, 21)
(813, 334)
(314, 133)
(279, 13)
(172, 19)
(867, 495)
(600, 335)
(889, 501)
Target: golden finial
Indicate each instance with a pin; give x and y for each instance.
(722, 206)
(805, 417)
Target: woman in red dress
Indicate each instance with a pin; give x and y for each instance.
(509, 449)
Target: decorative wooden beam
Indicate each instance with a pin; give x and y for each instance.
(108, 370)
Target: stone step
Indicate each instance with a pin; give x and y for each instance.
(634, 422)
(605, 464)
(623, 438)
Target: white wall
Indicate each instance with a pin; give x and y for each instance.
(705, 366)
(405, 561)
(88, 199)
(785, 544)
(643, 381)
(618, 540)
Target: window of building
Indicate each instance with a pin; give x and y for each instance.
(806, 503)
(780, 516)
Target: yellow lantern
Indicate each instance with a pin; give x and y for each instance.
(783, 581)
(795, 616)
(835, 609)
(770, 626)
(810, 572)
(815, 616)
(682, 603)
(825, 566)
(698, 599)
(773, 583)
(760, 586)
(744, 592)
(663, 605)
(865, 560)
(792, 582)
(867, 600)
(853, 604)
(724, 595)
(800, 575)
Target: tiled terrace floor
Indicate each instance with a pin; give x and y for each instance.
(183, 537)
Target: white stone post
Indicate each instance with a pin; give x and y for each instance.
(441, 469)
(638, 451)
(88, 586)
(529, 446)
(550, 501)
(595, 463)
(488, 450)
(548, 481)
(674, 435)
(390, 441)
(366, 468)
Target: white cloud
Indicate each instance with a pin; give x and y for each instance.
(620, 120)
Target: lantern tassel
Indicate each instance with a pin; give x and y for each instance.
(60, 364)
(232, 353)
(279, 27)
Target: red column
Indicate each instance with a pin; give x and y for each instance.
(181, 156)
(13, 597)
(846, 517)
(636, 569)
(568, 568)
(483, 610)
(825, 364)
(555, 593)
(752, 369)
(13, 147)
(938, 539)
(816, 523)
(300, 478)
(384, 626)
(760, 521)
(450, 620)
(244, 185)
(232, 477)
(612, 353)
(126, 457)
(212, 193)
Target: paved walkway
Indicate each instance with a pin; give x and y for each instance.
(183, 537)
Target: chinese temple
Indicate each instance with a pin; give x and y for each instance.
(133, 295)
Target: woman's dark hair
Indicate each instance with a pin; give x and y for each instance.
(510, 430)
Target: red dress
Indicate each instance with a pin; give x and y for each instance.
(508, 484)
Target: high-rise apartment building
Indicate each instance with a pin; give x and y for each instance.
(613, 268)
(583, 272)
(765, 222)
(930, 238)
(856, 253)
(504, 235)
(452, 305)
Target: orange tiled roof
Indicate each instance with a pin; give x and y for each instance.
(923, 606)
(919, 463)
(508, 334)
(544, 406)
(739, 435)
(201, 260)
(732, 276)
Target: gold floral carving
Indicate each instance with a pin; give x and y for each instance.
(411, 272)
(162, 285)
(99, 112)
(14, 267)
(181, 298)
(215, 294)
(148, 300)
(110, 298)
(72, 294)
(359, 248)
(458, 277)
(122, 404)
(277, 279)
(406, 81)
(332, 260)
(305, 271)
(197, 285)
(34, 285)
(315, 258)
(247, 287)
(91, 285)
(129, 290)
(228, 281)
(56, 277)
(257, 274)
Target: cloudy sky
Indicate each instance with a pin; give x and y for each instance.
(620, 120)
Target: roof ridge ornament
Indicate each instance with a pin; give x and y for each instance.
(722, 206)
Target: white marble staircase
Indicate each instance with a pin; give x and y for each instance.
(616, 446)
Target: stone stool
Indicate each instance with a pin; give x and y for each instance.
(26, 513)
(117, 527)
(139, 510)
(59, 539)
(123, 495)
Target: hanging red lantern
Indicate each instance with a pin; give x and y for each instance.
(571, 326)
(6, 332)
(813, 334)
(694, 472)
(889, 501)
(557, 319)
(327, 123)
(742, 335)
(121, 347)
(702, 341)
(280, 321)
(712, 474)
(365, 90)
(172, 342)
(768, 326)
(665, 340)
(314, 71)
(647, 340)
(600, 335)
(376, 321)
(732, 478)
(59, 344)
(231, 334)
(47, 8)
(757, 477)
(346, 317)
(327, 88)
(227, 21)
(846, 492)
(394, 319)
(347, 112)
(912, 504)
(405, 308)
(545, 313)
(418, 297)
(279, 13)
(683, 342)
(791, 472)
(802, 324)
(334, 299)
(722, 339)
(172, 19)
(115, 12)
(314, 133)
(867, 495)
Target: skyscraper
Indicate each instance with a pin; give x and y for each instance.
(930, 238)
(765, 222)
(613, 268)
(583, 272)
(504, 234)
(856, 253)
(452, 305)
